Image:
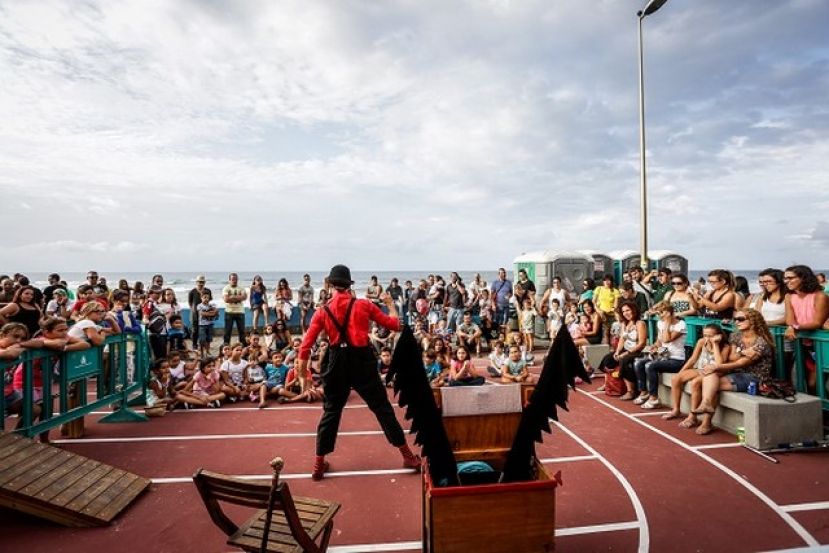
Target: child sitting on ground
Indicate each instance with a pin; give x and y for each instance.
(461, 371)
(158, 400)
(293, 384)
(254, 375)
(384, 364)
(515, 368)
(434, 372)
(181, 372)
(276, 373)
(232, 373)
(497, 359)
(205, 389)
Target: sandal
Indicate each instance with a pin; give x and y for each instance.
(627, 397)
(688, 423)
(703, 430)
(670, 415)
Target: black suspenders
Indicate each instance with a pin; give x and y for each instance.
(342, 328)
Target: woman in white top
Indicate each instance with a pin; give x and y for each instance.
(670, 340)
(634, 336)
(89, 326)
(702, 356)
(554, 292)
(771, 300)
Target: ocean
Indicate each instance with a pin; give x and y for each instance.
(183, 282)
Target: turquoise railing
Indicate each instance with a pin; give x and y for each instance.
(119, 369)
(816, 341)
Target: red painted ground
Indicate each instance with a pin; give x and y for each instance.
(688, 504)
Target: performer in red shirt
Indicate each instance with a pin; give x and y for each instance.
(351, 364)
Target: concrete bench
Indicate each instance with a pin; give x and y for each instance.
(595, 353)
(767, 422)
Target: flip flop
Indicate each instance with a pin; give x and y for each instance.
(670, 415)
(688, 424)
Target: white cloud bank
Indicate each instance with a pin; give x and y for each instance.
(294, 135)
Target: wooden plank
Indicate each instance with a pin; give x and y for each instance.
(98, 487)
(39, 455)
(10, 449)
(80, 486)
(16, 453)
(127, 496)
(47, 480)
(7, 438)
(119, 480)
(39, 471)
(42, 510)
(47, 494)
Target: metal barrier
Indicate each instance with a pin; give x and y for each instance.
(119, 368)
(809, 346)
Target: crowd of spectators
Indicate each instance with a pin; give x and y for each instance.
(453, 320)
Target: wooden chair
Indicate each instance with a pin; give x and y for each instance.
(285, 523)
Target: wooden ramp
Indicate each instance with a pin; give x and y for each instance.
(60, 486)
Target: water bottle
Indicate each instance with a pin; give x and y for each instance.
(752, 388)
(741, 435)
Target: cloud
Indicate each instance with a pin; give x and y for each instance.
(409, 134)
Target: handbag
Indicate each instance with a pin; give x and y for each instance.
(778, 389)
(613, 383)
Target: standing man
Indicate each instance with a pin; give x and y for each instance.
(454, 302)
(54, 284)
(500, 293)
(193, 300)
(351, 365)
(641, 284)
(396, 292)
(663, 285)
(234, 297)
(306, 301)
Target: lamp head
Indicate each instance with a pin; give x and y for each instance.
(651, 7)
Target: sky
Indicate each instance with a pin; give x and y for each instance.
(208, 135)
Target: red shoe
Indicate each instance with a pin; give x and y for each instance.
(320, 468)
(411, 461)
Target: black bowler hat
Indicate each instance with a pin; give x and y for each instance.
(340, 275)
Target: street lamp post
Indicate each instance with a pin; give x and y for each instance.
(650, 8)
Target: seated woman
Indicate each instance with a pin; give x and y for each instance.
(749, 361)
(720, 300)
(691, 371)
(670, 338)
(632, 340)
(592, 336)
(680, 297)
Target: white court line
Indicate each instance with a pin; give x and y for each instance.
(569, 459)
(796, 526)
(641, 518)
(417, 546)
(612, 527)
(594, 393)
(795, 508)
(378, 472)
(648, 414)
(292, 476)
(207, 437)
(716, 446)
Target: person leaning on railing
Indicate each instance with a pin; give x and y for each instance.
(807, 308)
(719, 302)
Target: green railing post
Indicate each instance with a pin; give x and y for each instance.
(123, 413)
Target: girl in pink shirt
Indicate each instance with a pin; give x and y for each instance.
(205, 389)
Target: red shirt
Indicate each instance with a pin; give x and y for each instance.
(358, 324)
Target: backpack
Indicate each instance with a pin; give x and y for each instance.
(778, 389)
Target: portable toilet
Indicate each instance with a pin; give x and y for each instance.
(623, 261)
(668, 259)
(602, 264)
(537, 265)
(571, 267)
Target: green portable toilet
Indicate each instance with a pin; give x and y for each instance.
(541, 266)
(623, 261)
(668, 259)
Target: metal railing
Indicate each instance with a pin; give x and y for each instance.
(810, 346)
(119, 369)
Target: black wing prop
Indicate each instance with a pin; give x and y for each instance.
(562, 366)
(415, 395)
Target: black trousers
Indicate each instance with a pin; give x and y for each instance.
(239, 319)
(354, 368)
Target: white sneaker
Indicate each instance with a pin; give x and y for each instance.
(640, 400)
(652, 403)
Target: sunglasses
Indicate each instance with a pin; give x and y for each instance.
(740, 319)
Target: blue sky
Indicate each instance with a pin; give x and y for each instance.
(408, 135)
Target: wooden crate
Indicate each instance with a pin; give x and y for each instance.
(510, 518)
